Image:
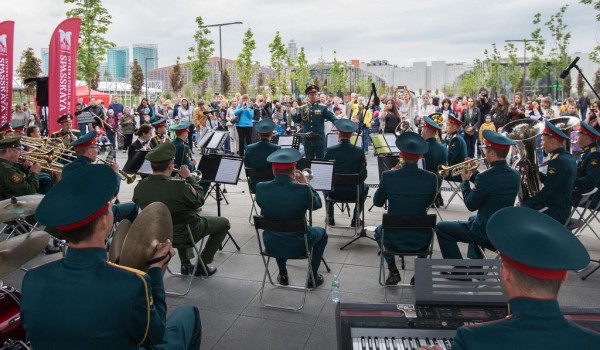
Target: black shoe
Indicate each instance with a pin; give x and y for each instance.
(393, 279)
(356, 223)
(330, 221)
(318, 279)
(283, 279)
(200, 271)
(187, 268)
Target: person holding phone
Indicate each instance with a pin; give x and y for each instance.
(244, 114)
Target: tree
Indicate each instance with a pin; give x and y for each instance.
(29, 67)
(595, 53)
(200, 54)
(597, 80)
(338, 77)
(494, 71)
(226, 82)
(537, 67)
(260, 81)
(93, 85)
(317, 81)
(137, 78)
(301, 73)
(567, 86)
(203, 87)
(95, 21)
(560, 51)
(188, 89)
(580, 85)
(279, 57)
(176, 77)
(513, 70)
(243, 64)
(273, 86)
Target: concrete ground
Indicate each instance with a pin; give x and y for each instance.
(232, 315)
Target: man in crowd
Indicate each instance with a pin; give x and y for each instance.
(494, 189)
(408, 191)
(85, 302)
(312, 116)
(588, 169)
(256, 154)
(349, 159)
(436, 155)
(483, 102)
(556, 195)
(116, 106)
(183, 198)
(288, 197)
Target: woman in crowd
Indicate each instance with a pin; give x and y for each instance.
(389, 117)
(231, 127)
(517, 108)
(112, 123)
(245, 114)
(408, 107)
(499, 112)
(593, 114)
(547, 110)
(471, 118)
(185, 112)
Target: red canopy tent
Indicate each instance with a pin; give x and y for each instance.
(84, 92)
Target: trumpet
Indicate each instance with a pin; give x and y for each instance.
(196, 174)
(454, 170)
(129, 178)
(38, 157)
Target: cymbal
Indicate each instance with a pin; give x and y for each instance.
(152, 226)
(18, 207)
(116, 243)
(16, 251)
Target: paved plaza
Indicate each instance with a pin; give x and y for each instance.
(232, 316)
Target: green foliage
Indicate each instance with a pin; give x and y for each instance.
(167, 95)
(188, 90)
(363, 87)
(202, 88)
(580, 85)
(302, 71)
(338, 77)
(472, 80)
(176, 77)
(272, 86)
(93, 85)
(199, 55)
(260, 81)
(514, 72)
(595, 53)
(279, 58)
(243, 64)
(567, 86)
(494, 70)
(29, 67)
(226, 82)
(95, 21)
(597, 80)
(137, 78)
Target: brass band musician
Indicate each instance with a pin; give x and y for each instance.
(160, 127)
(66, 134)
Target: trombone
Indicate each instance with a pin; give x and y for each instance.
(454, 170)
(129, 178)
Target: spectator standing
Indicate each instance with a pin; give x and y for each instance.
(245, 115)
(389, 118)
(471, 118)
(116, 106)
(231, 126)
(584, 103)
(499, 112)
(483, 102)
(18, 117)
(128, 126)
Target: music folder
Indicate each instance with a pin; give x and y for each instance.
(221, 169)
(391, 141)
(285, 141)
(138, 164)
(323, 171)
(332, 138)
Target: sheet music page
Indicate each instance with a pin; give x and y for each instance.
(391, 140)
(322, 176)
(332, 139)
(216, 139)
(146, 168)
(229, 170)
(285, 141)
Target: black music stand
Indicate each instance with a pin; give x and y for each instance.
(138, 164)
(221, 169)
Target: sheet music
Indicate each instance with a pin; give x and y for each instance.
(391, 141)
(204, 136)
(146, 168)
(285, 141)
(216, 139)
(229, 170)
(421, 163)
(333, 139)
(322, 176)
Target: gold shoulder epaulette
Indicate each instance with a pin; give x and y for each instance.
(130, 269)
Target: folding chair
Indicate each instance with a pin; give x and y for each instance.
(197, 250)
(289, 227)
(455, 189)
(258, 176)
(577, 225)
(587, 222)
(404, 223)
(348, 179)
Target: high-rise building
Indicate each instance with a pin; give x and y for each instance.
(118, 62)
(146, 55)
(45, 53)
(292, 51)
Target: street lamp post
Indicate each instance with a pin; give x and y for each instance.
(146, 75)
(524, 41)
(220, 47)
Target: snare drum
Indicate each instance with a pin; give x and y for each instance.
(10, 318)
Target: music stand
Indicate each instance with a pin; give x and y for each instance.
(390, 138)
(285, 141)
(221, 169)
(138, 164)
(332, 138)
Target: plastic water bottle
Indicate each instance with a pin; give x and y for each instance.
(335, 289)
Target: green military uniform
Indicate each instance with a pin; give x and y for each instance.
(183, 198)
(85, 302)
(408, 191)
(159, 138)
(588, 169)
(533, 323)
(494, 189)
(437, 154)
(182, 154)
(558, 182)
(312, 117)
(283, 199)
(256, 154)
(349, 159)
(13, 181)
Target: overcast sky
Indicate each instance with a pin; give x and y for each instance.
(400, 31)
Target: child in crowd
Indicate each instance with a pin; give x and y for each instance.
(102, 139)
(174, 123)
(488, 125)
(278, 128)
(575, 150)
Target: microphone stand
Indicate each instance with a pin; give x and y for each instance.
(361, 120)
(587, 81)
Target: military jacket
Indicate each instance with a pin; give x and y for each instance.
(312, 117)
(408, 191)
(182, 154)
(436, 155)
(533, 324)
(158, 139)
(255, 157)
(558, 187)
(588, 172)
(349, 159)
(14, 182)
(494, 189)
(81, 161)
(457, 150)
(85, 302)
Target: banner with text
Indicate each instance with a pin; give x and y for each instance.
(62, 71)
(7, 31)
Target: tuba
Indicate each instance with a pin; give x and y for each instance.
(525, 133)
(565, 124)
(403, 127)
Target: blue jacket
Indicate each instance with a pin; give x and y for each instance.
(245, 116)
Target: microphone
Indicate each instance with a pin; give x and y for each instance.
(376, 100)
(566, 71)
